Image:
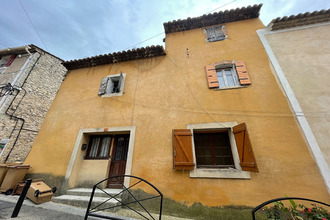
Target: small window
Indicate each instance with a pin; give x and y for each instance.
(99, 147)
(227, 74)
(216, 33)
(213, 150)
(227, 77)
(112, 85)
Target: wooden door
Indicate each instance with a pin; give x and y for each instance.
(118, 160)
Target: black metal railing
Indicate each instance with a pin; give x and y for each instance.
(282, 199)
(132, 199)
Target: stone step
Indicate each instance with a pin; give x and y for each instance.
(98, 192)
(82, 201)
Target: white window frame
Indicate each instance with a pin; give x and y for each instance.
(223, 67)
(230, 173)
(121, 91)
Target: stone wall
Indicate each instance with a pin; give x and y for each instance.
(40, 80)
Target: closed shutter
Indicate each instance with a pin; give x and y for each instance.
(218, 33)
(103, 86)
(244, 148)
(242, 73)
(211, 34)
(11, 60)
(182, 150)
(211, 76)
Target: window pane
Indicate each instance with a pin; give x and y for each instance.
(94, 147)
(105, 147)
(213, 149)
(221, 79)
(119, 148)
(229, 77)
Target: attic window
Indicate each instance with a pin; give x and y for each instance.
(112, 85)
(215, 33)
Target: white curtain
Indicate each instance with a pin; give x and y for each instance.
(94, 147)
(105, 147)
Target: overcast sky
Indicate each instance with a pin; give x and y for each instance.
(85, 28)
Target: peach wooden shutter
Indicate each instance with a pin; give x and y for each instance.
(244, 148)
(211, 76)
(182, 150)
(242, 73)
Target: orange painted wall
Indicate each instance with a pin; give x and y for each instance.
(161, 94)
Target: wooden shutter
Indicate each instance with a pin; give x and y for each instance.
(103, 86)
(211, 76)
(211, 34)
(218, 33)
(244, 148)
(182, 150)
(121, 77)
(242, 73)
(11, 60)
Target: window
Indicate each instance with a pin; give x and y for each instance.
(112, 85)
(227, 77)
(214, 150)
(216, 33)
(99, 147)
(6, 62)
(227, 74)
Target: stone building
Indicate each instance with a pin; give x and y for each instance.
(30, 78)
(299, 50)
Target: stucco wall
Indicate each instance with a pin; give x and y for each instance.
(161, 94)
(303, 56)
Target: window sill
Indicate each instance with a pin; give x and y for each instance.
(103, 158)
(112, 94)
(233, 87)
(220, 173)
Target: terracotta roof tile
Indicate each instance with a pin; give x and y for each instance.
(116, 57)
(300, 19)
(221, 17)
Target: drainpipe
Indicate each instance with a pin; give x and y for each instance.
(26, 48)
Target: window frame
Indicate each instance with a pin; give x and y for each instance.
(221, 29)
(235, 173)
(234, 74)
(112, 78)
(211, 136)
(87, 156)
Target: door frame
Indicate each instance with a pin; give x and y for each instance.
(74, 163)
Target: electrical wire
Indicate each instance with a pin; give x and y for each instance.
(145, 40)
(164, 32)
(33, 25)
(193, 94)
(221, 6)
(4, 45)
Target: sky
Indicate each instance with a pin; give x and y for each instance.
(83, 28)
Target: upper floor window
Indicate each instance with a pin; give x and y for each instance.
(227, 74)
(112, 85)
(215, 33)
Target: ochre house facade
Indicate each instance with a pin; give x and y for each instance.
(300, 63)
(203, 120)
